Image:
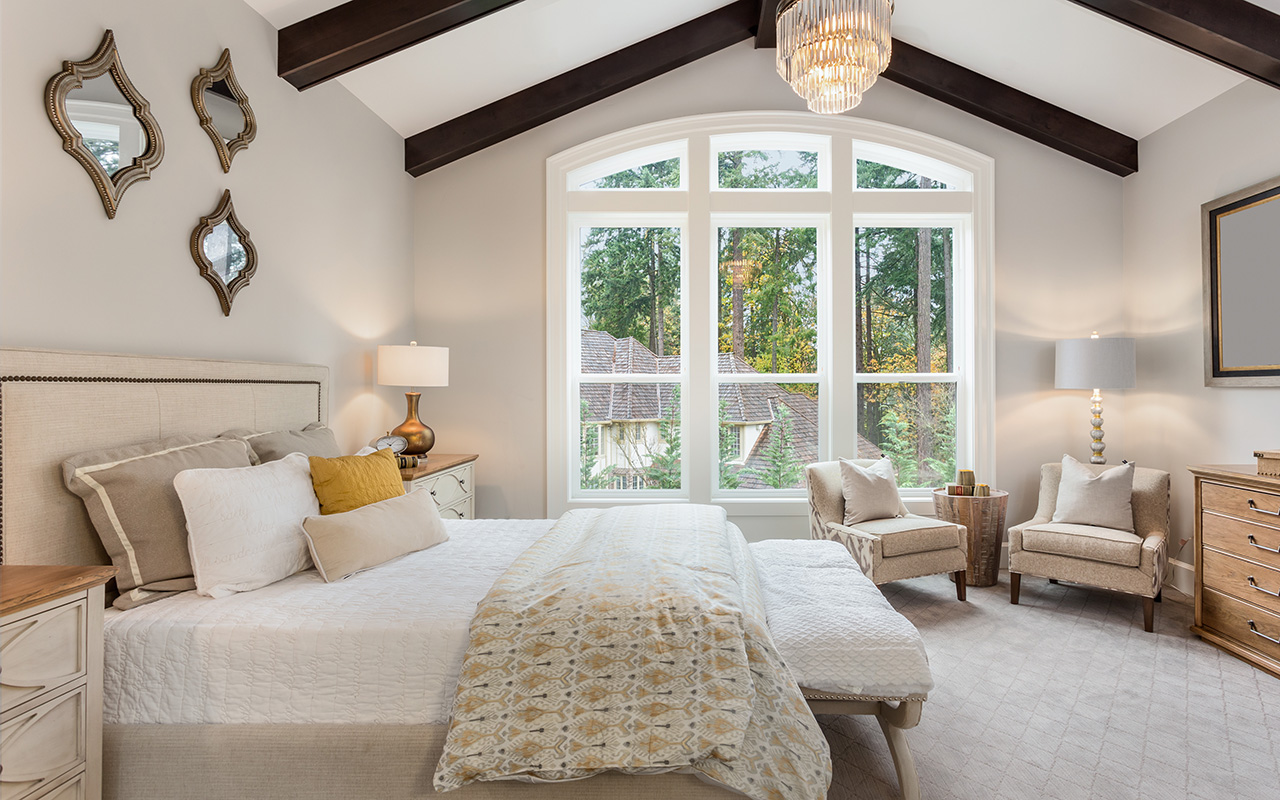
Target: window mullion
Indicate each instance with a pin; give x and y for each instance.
(701, 275)
(842, 438)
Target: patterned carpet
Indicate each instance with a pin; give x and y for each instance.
(1065, 697)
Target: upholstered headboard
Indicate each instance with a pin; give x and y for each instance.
(55, 404)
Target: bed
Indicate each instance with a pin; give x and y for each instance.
(362, 738)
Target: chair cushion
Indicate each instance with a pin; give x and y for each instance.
(1089, 542)
(869, 492)
(903, 536)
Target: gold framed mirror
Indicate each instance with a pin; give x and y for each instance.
(222, 250)
(105, 122)
(223, 109)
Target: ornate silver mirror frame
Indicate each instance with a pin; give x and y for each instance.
(73, 75)
(225, 284)
(221, 80)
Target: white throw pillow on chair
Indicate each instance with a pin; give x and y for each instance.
(1105, 500)
(869, 492)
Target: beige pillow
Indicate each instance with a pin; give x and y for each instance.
(1104, 501)
(129, 494)
(344, 544)
(869, 492)
(313, 440)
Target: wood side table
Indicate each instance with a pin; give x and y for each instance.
(984, 517)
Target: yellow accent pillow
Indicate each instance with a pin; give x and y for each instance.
(351, 482)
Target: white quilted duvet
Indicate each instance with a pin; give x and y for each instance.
(384, 646)
(833, 627)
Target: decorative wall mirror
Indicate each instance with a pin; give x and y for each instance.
(223, 108)
(1241, 238)
(222, 250)
(105, 122)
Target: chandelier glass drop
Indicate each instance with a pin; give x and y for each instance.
(831, 51)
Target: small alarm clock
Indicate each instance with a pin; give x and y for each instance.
(396, 444)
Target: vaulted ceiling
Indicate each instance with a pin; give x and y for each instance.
(1063, 52)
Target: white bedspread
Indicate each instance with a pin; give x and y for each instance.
(833, 627)
(383, 646)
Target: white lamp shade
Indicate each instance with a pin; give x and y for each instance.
(411, 365)
(1095, 364)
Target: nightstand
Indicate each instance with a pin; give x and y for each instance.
(51, 687)
(451, 481)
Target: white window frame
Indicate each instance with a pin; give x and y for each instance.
(970, 199)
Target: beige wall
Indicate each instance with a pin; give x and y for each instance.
(480, 260)
(1173, 419)
(322, 190)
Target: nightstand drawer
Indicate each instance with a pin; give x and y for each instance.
(448, 487)
(1239, 538)
(42, 652)
(464, 510)
(1242, 579)
(42, 744)
(74, 789)
(1242, 622)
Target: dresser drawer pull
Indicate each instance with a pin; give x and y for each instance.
(1254, 542)
(1254, 506)
(1267, 592)
(1257, 632)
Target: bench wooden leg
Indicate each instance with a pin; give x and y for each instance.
(960, 584)
(894, 720)
(1015, 586)
(1148, 614)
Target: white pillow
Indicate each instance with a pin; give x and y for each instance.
(353, 541)
(1105, 500)
(869, 492)
(244, 525)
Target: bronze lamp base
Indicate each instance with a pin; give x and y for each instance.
(420, 438)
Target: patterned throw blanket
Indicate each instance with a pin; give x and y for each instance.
(632, 639)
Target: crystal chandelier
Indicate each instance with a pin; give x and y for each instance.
(831, 51)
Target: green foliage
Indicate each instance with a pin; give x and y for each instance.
(897, 443)
(631, 285)
(658, 175)
(589, 452)
(768, 169)
(106, 151)
(873, 175)
(782, 469)
(728, 452)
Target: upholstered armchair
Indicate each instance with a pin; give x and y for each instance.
(906, 546)
(1132, 563)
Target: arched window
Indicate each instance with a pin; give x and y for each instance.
(731, 297)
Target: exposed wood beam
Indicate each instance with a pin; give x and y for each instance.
(1012, 109)
(523, 111)
(360, 32)
(1235, 33)
(767, 30)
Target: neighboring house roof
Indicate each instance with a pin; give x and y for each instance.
(744, 403)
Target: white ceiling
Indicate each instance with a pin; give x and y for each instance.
(1053, 49)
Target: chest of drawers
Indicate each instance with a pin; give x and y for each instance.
(1237, 551)
(51, 684)
(451, 481)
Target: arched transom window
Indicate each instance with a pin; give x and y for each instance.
(735, 296)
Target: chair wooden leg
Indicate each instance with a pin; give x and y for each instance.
(1160, 596)
(960, 583)
(1148, 614)
(1015, 586)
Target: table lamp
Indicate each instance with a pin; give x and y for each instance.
(413, 366)
(1096, 364)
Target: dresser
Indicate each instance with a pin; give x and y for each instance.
(451, 481)
(51, 684)
(1237, 550)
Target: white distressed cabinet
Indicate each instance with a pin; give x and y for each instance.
(51, 682)
(451, 481)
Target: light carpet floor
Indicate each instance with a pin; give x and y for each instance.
(1066, 697)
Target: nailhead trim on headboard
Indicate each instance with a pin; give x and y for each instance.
(102, 379)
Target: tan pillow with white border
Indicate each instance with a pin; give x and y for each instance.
(344, 544)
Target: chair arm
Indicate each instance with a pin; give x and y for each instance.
(1015, 532)
(865, 548)
(1155, 556)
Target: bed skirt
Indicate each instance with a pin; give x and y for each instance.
(329, 762)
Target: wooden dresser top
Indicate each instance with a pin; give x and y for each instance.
(22, 586)
(436, 463)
